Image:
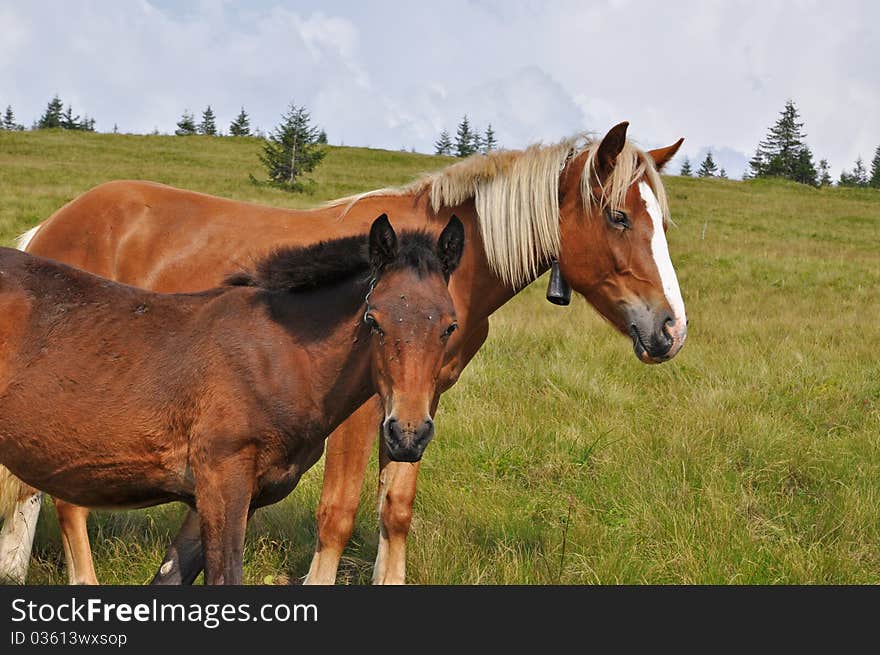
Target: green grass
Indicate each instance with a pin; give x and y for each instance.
(753, 457)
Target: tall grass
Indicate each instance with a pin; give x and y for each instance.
(753, 457)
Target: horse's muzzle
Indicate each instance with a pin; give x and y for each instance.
(657, 339)
(406, 442)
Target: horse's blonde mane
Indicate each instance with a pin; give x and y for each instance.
(516, 195)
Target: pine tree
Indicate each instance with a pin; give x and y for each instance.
(464, 140)
(686, 168)
(824, 174)
(858, 177)
(115, 128)
(443, 145)
(860, 174)
(186, 125)
(489, 141)
(476, 142)
(241, 126)
(8, 122)
(708, 167)
(208, 126)
(51, 118)
(292, 148)
(804, 171)
(722, 173)
(783, 152)
(322, 138)
(874, 180)
(68, 120)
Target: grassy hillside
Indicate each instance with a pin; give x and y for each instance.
(753, 457)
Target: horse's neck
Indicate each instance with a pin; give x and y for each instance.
(328, 326)
(476, 289)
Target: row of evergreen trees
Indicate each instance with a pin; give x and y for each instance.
(467, 140)
(708, 168)
(55, 116)
(207, 126)
(784, 153)
(292, 149)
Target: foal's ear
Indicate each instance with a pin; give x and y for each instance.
(450, 245)
(611, 145)
(661, 156)
(383, 243)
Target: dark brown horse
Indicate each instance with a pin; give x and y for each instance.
(112, 396)
(597, 206)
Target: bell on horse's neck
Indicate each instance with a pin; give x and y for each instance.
(558, 290)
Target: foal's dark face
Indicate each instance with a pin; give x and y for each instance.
(411, 316)
(411, 319)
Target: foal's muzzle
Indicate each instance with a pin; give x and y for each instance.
(406, 441)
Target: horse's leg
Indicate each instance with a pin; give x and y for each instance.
(184, 559)
(397, 492)
(397, 482)
(223, 497)
(17, 534)
(75, 539)
(348, 451)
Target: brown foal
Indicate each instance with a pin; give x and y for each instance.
(112, 396)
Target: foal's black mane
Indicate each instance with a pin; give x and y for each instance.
(303, 268)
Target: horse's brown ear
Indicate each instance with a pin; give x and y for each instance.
(450, 245)
(383, 243)
(662, 156)
(611, 145)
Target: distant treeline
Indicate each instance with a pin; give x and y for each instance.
(468, 140)
(55, 116)
(784, 153)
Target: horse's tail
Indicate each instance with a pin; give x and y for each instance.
(12, 490)
(22, 242)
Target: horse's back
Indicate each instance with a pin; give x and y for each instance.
(167, 239)
(156, 236)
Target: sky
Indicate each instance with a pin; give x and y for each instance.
(394, 74)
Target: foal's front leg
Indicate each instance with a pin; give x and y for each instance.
(223, 497)
(397, 493)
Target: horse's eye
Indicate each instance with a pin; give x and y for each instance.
(370, 320)
(617, 218)
(452, 328)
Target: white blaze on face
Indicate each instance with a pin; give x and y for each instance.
(661, 257)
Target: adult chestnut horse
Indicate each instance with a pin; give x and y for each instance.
(113, 396)
(596, 206)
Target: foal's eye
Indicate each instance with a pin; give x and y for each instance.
(617, 218)
(370, 320)
(452, 328)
